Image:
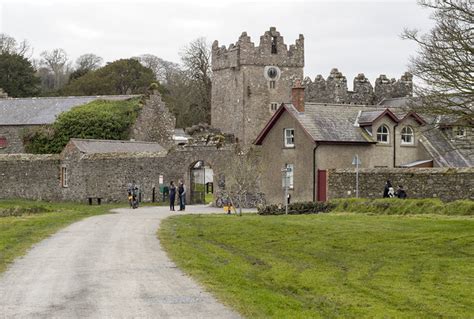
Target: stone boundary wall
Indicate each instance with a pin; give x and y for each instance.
(30, 176)
(445, 183)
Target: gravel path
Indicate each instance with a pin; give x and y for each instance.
(109, 266)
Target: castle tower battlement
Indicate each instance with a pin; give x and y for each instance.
(334, 89)
(271, 50)
(249, 82)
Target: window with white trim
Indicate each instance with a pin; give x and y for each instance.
(382, 134)
(273, 106)
(289, 137)
(64, 176)
(407, 135)
(288, 176)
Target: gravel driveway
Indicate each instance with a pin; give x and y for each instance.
(109, 266)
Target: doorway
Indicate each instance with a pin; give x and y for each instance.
(202, 183)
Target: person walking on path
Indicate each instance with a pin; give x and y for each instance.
(182, 195)
(172, 190)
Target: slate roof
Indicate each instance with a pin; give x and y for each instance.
(44, 110)
(89, 146)
(443, 152)
(331, 123)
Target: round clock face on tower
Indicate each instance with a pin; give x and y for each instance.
(272, 73)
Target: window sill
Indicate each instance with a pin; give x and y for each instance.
(407, 145)
(288, 147)
(383, 144)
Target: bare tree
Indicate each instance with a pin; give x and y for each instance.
(56, 62)
(163, 70)
(445, 63)
(9, 45)
(242, 176)
(88, 62)
(196, 58)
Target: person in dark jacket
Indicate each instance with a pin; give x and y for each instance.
(172, 192)
(182, 195)
(386, 189)
(400, 193)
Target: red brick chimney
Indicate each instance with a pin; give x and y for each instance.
(297, 96)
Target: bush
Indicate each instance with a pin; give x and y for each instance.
(395, 206)
(382, 206)
(100, 119)
(296, 208)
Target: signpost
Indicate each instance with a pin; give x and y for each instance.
(284, 171)
(356, 161)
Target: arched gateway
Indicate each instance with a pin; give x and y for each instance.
(201, 184)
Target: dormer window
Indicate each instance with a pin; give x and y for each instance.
(289, 137)
(382, 134)
(274, 45)
(407, 136)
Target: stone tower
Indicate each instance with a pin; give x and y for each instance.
(250, 82)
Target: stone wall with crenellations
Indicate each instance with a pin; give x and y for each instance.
(334, 89)
(444, 183)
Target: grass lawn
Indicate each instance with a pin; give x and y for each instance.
(330, 265)
(19, 233)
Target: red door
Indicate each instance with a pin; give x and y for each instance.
(322, 184)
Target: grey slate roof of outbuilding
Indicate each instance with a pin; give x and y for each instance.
(89, 146)
(44, 110)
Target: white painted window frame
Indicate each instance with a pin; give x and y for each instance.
(287, 136)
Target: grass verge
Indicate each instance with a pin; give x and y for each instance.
(329, 265)
(25, 223)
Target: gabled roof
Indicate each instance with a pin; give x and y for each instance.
(368, 117)
(323, 123)
(337, 123)
(89, 146)
(44, 110)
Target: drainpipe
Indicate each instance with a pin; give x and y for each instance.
(314, 172)
(394, 144)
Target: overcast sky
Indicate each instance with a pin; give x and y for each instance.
(354, 36)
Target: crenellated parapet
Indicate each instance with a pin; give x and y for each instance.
(334, 89)
(271, 50)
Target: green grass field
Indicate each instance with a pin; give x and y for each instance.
(35, 221)
(330, 265)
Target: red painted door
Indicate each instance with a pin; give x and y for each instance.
(322, 185)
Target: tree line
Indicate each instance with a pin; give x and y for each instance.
(185, 87)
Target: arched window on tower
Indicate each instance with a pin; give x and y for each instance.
(274, 45)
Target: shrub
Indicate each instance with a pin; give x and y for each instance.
(382, 206)
(296, 208)
(394, 206)
(99, 119)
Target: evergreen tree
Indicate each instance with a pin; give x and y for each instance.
(17, 76)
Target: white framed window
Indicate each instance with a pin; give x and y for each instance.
(408, 137)
(273, 106)
(287, 178)
(272, 84)
(289, 137)
(383, 134)
(459, 131)
(64, 177)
